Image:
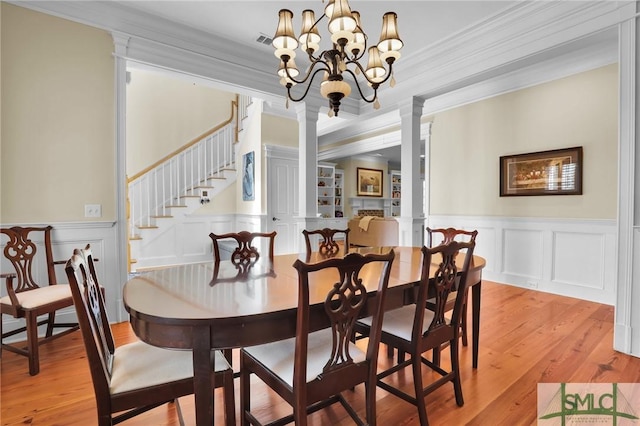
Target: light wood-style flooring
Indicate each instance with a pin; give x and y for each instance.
(527, 337)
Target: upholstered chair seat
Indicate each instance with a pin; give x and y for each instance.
(40, 296)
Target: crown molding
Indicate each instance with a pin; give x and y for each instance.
(368, 144)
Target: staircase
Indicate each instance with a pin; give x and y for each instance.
(163, 194)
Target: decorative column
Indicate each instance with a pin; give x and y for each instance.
(308, 160)
(411, 216)
(121, 42)
(626, 337)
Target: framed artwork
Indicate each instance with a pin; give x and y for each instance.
(555, 172)
(248, 184)
(369, 182)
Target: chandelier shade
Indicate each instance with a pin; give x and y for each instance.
(341, 58)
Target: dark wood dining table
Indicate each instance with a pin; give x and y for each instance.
(207, 306)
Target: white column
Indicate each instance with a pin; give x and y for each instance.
(626, 336)
(411, 215)
(121, 42)
(308, 160)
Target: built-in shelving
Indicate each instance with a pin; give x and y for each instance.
(396, 191)
(326, 191)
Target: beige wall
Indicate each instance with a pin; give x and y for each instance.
(166, 112)
(466, 144)
(57, 149)
(279, 131)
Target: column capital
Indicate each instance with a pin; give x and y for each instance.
(121, 43)
(307, 111)
(411, 107)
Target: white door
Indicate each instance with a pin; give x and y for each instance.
(282, 203)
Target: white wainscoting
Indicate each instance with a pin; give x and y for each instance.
(65, 238)
(185, 241)
(569, 257)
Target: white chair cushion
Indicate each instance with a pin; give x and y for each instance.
(40, 296)
(279, 356)
(399, 322)
(139, 365)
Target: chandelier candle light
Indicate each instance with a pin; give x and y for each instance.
(349, 43)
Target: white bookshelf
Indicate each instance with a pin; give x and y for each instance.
(395, 188)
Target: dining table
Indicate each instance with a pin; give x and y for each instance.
(221, 305)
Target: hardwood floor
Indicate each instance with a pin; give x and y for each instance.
(527, 337)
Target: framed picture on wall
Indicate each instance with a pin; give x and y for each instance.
(555, 172)
(248, 185)
(369, 182)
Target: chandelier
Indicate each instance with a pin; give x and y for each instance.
(349, 43)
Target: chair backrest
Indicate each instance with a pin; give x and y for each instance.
(440, 276)
(93, 320)
(446, 235)
(245, 252)
(327, 245)
(21, 251)
(343, 306)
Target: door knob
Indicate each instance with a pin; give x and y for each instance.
(274, 218)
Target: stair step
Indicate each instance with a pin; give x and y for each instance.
(134, 261)
(216, 178)
(162, 217)
(135, 238)
(170, 206)
(147, 227)
(189, 196)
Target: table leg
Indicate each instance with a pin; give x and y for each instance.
(202, 376)
(475, 293)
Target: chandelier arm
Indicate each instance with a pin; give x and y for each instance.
(289, 85)
(364, 98)
(313, 65)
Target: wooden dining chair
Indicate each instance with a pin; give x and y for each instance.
(28, 295)
(244, 255)
(445, 236)
(133, 378)
(327, 244)
(414, 329)
(311, 370)
(245, 252)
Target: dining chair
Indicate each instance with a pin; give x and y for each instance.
(327, 244)
(29, 296)
(136, 377)
(415, 330)
(445, 236)
(311, 370)
(244, 252)
(244, 255)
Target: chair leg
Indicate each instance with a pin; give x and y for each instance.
(50, 323)
(245, 391)
(229, 399)
(416, 364)
(435, 358)
(455, 368)
(370, 395)
(32, 343)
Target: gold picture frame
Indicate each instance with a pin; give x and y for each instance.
(554, 172)
(369, 181)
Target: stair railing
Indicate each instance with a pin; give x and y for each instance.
(164, 184)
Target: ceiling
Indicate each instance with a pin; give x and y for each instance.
(421, 23)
